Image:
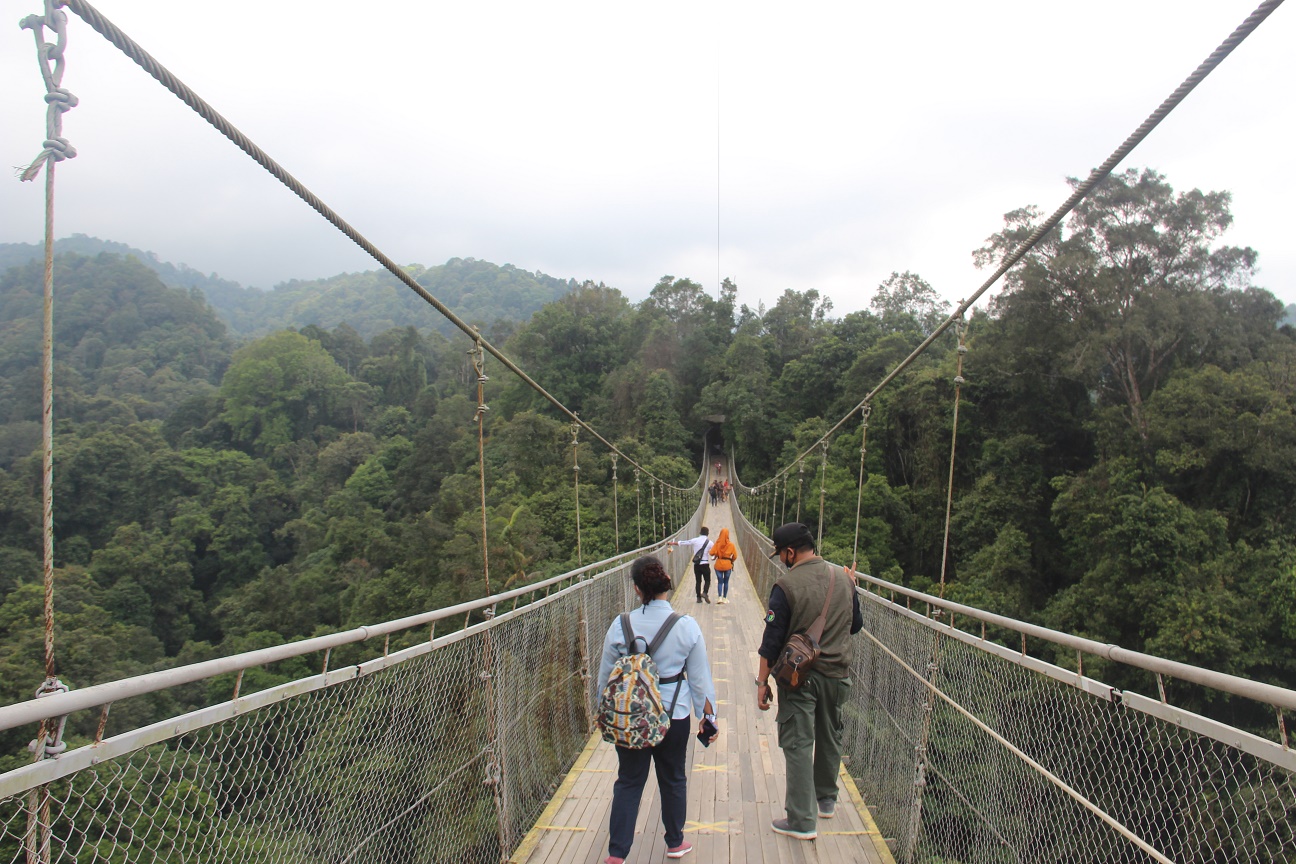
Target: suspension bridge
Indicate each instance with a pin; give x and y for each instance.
(464, 734)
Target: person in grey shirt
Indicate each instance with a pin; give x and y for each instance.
(683, 649)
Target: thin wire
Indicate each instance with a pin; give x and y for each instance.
(183, 92)
(1081, 191)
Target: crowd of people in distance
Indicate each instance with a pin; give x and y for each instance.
(719, 491)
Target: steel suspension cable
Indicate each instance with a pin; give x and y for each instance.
(185, 94)
(1080, 192)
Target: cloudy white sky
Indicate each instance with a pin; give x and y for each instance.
(818, 145)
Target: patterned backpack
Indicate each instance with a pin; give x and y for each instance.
(630, 712)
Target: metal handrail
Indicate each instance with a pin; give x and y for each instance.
(60, 704)
(1279, 697)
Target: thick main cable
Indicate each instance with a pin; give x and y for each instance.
(1079, 194)
(186, 95)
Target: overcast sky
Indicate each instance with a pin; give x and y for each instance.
(819, 145)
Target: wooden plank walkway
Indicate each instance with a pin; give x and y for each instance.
(735, 786)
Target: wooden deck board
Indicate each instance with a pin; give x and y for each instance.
(735, 786)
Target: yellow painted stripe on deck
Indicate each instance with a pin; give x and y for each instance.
(866, 817)
(532, 838)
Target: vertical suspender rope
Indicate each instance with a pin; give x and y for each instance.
(823, 490)
(783, 512)
(800, 487)
(495, 759)
(58, 100)
(933, 667)
(638, 516)
(859, 496)
(616, 509)
(662, 494)
(652, 501)
(575, 430)
(949, 495)
(479, 366)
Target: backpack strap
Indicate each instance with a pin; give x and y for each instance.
(628, 632)
(656, 643)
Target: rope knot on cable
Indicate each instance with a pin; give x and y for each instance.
(58, 99)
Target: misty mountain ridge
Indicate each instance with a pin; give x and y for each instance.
(373, 301)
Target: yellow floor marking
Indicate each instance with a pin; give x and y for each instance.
(879, 844)
(532, 838)
(561, 828)
(722, 827)
(721, 768)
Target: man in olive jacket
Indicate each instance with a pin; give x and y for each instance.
(810, 717)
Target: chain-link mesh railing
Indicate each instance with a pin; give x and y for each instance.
(969, 751)
(446, 751)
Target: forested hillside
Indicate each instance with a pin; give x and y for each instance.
(494, 297)
(1126, 463)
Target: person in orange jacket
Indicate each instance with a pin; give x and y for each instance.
(723, 553)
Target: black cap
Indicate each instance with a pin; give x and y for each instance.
(793, 535)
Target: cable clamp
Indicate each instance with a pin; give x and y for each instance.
(53, 745)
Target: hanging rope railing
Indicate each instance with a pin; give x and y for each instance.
(1080, 192)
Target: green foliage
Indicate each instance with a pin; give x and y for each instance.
(1125, 466)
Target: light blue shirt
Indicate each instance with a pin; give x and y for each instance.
(684, 648)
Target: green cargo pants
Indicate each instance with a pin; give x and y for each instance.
(810, 735)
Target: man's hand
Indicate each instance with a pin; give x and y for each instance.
(850, 571)
(764, 696)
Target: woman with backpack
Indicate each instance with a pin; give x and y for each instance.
(723, 554)
(679, 653)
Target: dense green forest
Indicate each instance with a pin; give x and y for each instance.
(1126, 462)
(492, 297)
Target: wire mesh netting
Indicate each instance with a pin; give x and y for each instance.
(944, 789)
(445, 752)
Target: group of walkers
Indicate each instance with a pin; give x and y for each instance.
(718, 491)
(721, 554)
(814, 598)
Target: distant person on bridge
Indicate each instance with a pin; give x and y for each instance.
(682, 649)
(809, 716)
(724, 553)
(701, 546)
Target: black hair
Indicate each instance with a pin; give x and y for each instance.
(706, 532)
(651, 577)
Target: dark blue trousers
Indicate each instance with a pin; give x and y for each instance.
(672, 783)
